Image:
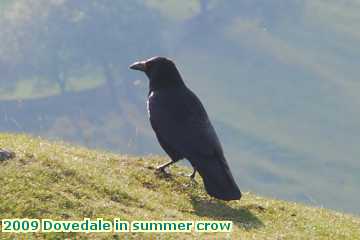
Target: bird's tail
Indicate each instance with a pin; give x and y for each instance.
(218, 180)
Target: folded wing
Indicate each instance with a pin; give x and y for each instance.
(181, 122)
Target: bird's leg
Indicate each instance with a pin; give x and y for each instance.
(162, 167)
(192, 179)
(192, 176)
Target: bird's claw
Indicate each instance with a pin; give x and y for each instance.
(161, 172)
(191, 176)
(160, 169)
(192, 183)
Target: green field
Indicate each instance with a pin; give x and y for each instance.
(64, 182)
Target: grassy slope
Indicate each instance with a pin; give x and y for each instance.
(60, 181)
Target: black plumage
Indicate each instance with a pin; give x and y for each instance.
(183, 128)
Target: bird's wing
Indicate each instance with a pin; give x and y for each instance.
(180, 120)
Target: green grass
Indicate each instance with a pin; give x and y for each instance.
(62, 181)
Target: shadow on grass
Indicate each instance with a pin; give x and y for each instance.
(241, 216)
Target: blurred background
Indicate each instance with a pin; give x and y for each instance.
(280, 81)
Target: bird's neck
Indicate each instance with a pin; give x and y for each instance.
(168, 79)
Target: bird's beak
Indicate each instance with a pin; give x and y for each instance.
(141, 66)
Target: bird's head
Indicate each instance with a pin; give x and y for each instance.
(161, 72)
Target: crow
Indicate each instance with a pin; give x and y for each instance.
(183, 128)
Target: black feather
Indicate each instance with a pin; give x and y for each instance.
(184, 130)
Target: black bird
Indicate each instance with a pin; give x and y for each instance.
(183, 128)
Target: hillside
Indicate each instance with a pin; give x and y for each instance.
(60, 181)
(279, 80)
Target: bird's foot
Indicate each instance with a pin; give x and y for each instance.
(192, 183)
(191, 176)
(160, 171)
